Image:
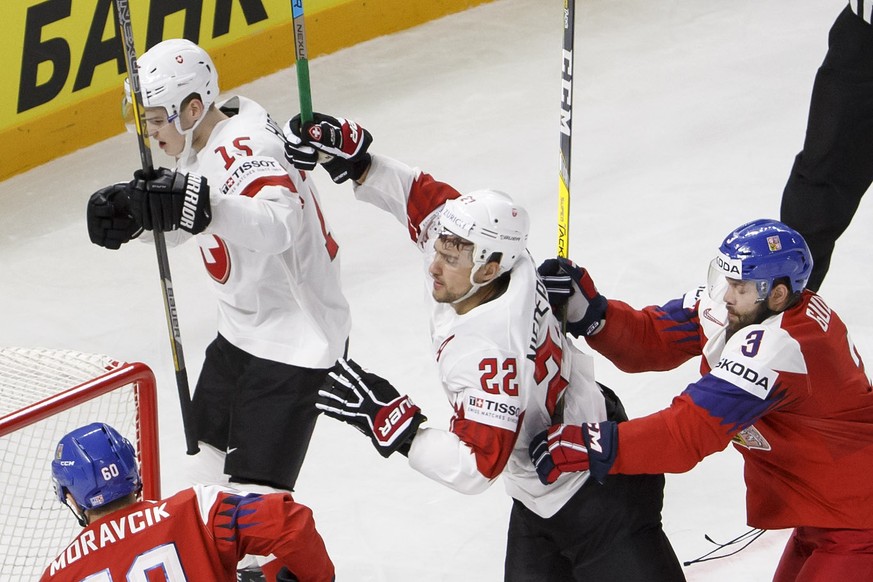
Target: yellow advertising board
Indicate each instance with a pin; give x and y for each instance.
(66, 66)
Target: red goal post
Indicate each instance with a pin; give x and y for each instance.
(44, 394)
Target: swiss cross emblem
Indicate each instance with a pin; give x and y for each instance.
(179, 59)
(216, 257)
(315, 132)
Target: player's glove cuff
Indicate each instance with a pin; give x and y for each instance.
(396, 424)
(298, 152)
(601, 440)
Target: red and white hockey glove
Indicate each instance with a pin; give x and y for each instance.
(566, 448)
(342, 144)
(372, 405)
(570, 287)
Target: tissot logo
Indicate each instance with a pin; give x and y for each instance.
(492, 406)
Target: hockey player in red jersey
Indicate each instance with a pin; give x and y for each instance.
(504, 365)
(197, 534)
(781, 379)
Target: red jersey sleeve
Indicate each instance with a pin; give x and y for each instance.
(670, 441)
(651, 339)
(271, 524)
(425, 196)
(701, 421)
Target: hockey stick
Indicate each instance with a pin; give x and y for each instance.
(566, 127)
(566, 130)
(302, 59)
(122, 17)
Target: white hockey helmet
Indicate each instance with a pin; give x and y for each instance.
(492, 222)
(170, 72)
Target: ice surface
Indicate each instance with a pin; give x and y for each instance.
(687, 117)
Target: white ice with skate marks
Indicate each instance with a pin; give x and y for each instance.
(687, 118)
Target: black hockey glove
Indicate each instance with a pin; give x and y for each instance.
(110, 220)
(344, 144)
(571, 288)
(170, 200)
(372, 405)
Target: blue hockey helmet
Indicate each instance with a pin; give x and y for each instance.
(762, 251)
(96, 465)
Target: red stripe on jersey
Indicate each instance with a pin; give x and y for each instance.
(491, 446)
(425, 196)
(283, 180)
(439, 352)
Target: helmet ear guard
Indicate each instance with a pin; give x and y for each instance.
(763, 251)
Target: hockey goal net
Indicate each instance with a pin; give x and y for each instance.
(44, 394)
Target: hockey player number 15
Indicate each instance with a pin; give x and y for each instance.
(162, 558)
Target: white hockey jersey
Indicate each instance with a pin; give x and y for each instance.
(503, 365)
(269, 250)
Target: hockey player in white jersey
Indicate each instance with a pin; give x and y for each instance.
(282, 318)
(504, 365)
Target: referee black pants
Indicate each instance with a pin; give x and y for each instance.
(835, 168)
(608, 533)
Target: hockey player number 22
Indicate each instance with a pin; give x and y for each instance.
(162, 558)
(499, 377)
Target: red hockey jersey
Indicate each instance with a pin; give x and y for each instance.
(791, 393)
(198, 534)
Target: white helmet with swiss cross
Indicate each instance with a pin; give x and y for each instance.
(170, 72)
(491, 222)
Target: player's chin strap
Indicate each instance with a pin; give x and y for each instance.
(468, 294)
(748, 537)
(187, 151)
(189, 135)
(476, 286)
(80, 517)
